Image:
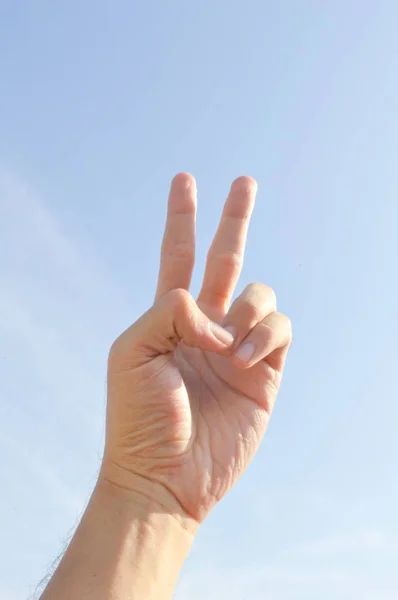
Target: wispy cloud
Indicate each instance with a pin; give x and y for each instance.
(358, 542)
(54, 299)
(303, 572)
(59, 310)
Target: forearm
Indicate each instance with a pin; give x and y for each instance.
(126, 547)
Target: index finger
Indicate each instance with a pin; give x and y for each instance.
(178, 246)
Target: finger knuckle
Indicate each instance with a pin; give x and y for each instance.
(261, 292)
(181, 252)
(285, 325)
(270, 335)
(270, 293)
(289, 327)
(179, 299)
(251, 310)
(229, 261)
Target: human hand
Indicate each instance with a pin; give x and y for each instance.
(188, 403)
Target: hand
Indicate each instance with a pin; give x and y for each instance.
(191, 384)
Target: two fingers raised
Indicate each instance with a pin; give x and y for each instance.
(259, 331)
(225, 256)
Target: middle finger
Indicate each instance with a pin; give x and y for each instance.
(225, 256)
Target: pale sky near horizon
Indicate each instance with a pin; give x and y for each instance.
(101, 103)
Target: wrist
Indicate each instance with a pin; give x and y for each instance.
(153, 530)
(128, 544)
(143, 497)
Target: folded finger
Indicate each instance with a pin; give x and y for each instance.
(255, 302)
(269, 340)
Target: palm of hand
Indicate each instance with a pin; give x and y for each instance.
(229, 409)
(202, 415)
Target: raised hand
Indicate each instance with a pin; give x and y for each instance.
(192, 384)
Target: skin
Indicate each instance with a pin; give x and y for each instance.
(191, 387)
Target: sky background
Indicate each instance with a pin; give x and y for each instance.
(101, 103)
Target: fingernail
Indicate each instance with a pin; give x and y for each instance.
(245, 351)
(223, 336)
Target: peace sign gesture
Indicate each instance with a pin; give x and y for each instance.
(192, 383)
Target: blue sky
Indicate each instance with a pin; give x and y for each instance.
(100, 104)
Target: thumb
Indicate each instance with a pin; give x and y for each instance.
(173, 318)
